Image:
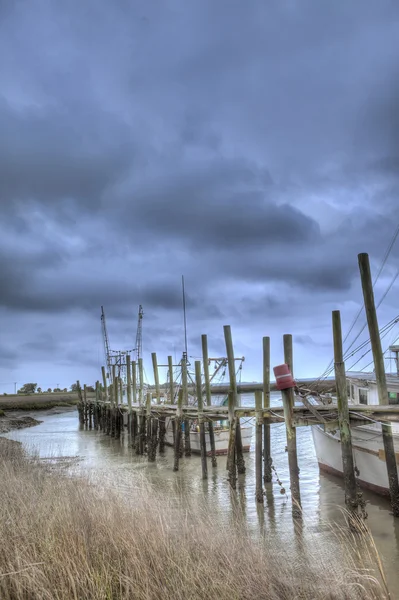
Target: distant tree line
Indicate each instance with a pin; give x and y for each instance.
(31, 388)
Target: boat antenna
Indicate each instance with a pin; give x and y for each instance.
(184, 315)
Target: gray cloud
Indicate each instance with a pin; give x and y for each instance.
(253, 149)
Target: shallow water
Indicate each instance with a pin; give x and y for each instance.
(110, 461)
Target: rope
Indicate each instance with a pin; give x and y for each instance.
(330, 367)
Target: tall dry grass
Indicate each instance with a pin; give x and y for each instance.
(63, 538)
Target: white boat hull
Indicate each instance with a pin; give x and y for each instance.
(221, 440)
(368, 453)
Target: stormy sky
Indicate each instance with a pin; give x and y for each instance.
(252, 147)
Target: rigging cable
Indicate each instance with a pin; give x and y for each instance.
(328, 370)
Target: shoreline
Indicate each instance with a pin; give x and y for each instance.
(14, 419)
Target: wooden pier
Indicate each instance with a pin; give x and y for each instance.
(143, 420)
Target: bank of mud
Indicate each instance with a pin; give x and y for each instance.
(11, 420)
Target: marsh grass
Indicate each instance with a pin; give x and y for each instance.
(28, 406)
(63, 538)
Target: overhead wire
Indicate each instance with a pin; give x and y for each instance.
(330, 367)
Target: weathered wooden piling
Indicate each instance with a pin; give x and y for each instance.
(343, 417)
(148, 416)
(162, 434)
(205, 360)
(171, 382)
(141, 382)
(129, 396)
(201, 420)
(372, 321)
(178, 422)
(186, 447)
(233, 386)
(288, 403)
(86, 405)
(110, 411)
(117, 412)
(184, 385)
(120, 394)
(134, 426)
(258, 447)
(134, 381)
(267, 459)
(392, 466)
(231, 452)
(113, 399)
(104, 376)
(80, 404)
(152, 435)
(96, 406)
(181, 447)
(156, 377)
(116, 403)
(105, 399)
(187, 439)
(140, 438)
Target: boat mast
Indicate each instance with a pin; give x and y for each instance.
(184, 317)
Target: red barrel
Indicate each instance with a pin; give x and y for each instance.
(284, 379)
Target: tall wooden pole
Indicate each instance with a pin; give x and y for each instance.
(129, 383)
(231, 452)
(134, 382)
(184, 380)
(178, 422)
(120, 389)
(148, 404)
(104, 383)
(156, 377)
(205, 360)
(129, 396)
(201, 419)
(267, 459)
(288, 403)
(343, 417)
(86, 410)
(371, 313)
(258, 447)
(114, 396)
(233, 387)
(97, 405)
(230, 361)
(171, 385)
(141, 382)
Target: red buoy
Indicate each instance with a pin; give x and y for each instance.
(284, 379)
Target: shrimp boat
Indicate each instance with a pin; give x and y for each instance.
(220, 428)
(367, 441)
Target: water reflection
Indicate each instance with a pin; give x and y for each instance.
(112, 462)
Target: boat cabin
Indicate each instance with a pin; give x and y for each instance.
(362, 387)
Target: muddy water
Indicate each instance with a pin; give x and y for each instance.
(112, 462)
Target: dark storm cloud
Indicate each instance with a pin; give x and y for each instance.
(63, 153)
(207, 211)
(252, 148)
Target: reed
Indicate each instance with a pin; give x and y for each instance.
(28, 406)
(64, 538)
